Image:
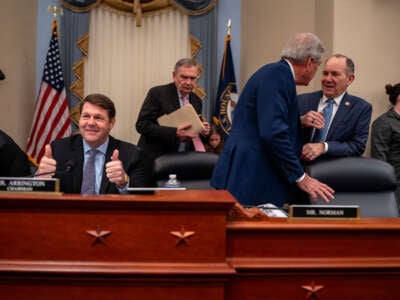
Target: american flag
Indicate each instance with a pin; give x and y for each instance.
(51, 119)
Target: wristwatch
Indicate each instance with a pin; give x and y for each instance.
(123, 184)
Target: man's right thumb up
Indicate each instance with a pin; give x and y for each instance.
(47, 151)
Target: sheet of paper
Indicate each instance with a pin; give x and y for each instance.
(272, 211)
(186, 114)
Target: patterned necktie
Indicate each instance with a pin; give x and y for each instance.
(89, 174)
(197, 143)
(327, 116)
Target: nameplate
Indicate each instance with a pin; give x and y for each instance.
(324, 211)
(27, 184)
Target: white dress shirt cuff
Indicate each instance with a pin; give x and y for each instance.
(301, 178)
(325, 147)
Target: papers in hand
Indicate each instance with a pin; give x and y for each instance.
(272, 211)
(186, 114)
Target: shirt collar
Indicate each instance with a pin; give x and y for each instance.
(291, 68)
(337, 100)
(102, 148)
(181, 97)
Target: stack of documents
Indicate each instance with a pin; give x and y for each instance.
(186, 114)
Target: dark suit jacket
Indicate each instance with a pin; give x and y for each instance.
(348, 133)
(156, 140)
(261, 160)
(385, 140)
(13, 161)
(69, 151)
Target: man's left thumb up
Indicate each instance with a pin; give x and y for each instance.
(115, 155)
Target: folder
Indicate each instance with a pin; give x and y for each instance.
(186, 114)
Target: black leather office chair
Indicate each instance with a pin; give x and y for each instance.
(193, 169)
(367, 182)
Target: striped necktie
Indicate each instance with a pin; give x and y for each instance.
(197, 143)
(89, 174)
(328, 110)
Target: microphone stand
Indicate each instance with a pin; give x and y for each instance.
(70, 166)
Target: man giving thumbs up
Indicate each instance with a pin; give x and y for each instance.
(93, 160)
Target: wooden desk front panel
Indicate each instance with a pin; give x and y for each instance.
(284, 259)
(56, 229)
(286, 239)
(47, 253)
(136, 236)
(344, 285)
(119, 288)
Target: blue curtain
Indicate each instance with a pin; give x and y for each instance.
(202, 24)
(203, 27)
(74, 26)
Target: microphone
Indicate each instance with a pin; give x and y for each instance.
(69, 167)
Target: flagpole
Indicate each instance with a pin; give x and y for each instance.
(227, 40)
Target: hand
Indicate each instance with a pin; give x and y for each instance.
(206, 130)
(115, 171)
(313, 119)
(312, 150)
(182, 134)
(47, 164)
(315, 188)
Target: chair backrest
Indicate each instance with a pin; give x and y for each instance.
(193, 169)
(367, 182)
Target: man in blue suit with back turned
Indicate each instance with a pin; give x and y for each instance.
(348, 126)
(260, 162)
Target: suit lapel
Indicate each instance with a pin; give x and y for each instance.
(77, 154)
(315, 102)
(105, 183)
(174, 98)
(312, 105)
